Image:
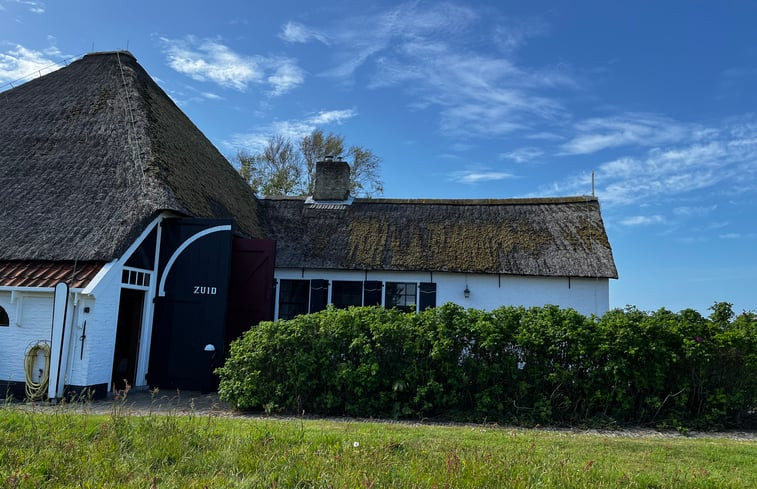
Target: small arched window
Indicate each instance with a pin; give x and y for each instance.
(4, 321)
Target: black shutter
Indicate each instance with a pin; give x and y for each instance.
(371, 293)
(319, 295)
(427, 296)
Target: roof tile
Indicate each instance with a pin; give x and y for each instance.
(16, 273)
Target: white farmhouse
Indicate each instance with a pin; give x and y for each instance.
(132, 252)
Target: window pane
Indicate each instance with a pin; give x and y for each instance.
(400, 295)
(293, 298)
(345, 294)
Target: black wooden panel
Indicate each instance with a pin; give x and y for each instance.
(427, 296)
(372, 293)
(319, 290)
(144, 256)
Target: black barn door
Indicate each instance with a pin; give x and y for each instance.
(251, 285)
(190, 307)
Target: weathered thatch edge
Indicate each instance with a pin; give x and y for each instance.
(555, 237)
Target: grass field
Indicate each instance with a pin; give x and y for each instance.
(67, 449)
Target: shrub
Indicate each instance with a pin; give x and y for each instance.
(538, 365)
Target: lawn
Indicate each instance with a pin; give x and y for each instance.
(68, 449)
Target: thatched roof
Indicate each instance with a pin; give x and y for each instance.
(89, 154)
(540, 237)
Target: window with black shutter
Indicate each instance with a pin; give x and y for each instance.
(346, 293)
(293, 298)
(427, 296)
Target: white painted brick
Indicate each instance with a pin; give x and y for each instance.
(36, 323)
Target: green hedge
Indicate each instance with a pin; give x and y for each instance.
(539, 365)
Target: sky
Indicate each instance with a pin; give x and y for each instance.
(467, 99)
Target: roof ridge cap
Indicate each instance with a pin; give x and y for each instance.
(123, 52)
(512, 201)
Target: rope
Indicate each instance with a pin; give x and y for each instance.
(37, 390)
(138, 151)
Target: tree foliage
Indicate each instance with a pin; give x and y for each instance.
(285, 167)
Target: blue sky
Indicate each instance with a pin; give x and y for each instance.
(477, 100)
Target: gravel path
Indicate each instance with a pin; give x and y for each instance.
(185, 403)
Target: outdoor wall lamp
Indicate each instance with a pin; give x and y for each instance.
(466, 292)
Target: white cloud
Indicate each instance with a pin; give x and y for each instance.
(629, 129)
(292, 129)
(522, 155)
(210, 60)
(287, 75)
(433, 52)
(20, 63)
(694, 211)
(730, 236)
(642, 220)
(514, 34)
(477, 176)
(32, 6)
(332, 116)
(296, 32)
(188, 94)
(724, 158)
(211, 96)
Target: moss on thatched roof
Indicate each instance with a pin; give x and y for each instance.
(89, 154)
(541, 237)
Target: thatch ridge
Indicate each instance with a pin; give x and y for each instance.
(537, 237)
(476, 202)
(89, 154)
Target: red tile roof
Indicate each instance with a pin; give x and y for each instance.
(47, 273)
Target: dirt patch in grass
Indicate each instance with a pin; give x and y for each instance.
(183, 403)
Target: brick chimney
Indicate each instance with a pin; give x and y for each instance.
(332, 180)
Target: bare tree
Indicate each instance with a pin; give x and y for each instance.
(364, 174)
(282, 168)
(277, 170)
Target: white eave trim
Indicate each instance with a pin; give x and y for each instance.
(13, 288)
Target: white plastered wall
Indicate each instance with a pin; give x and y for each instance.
(30, 315)
(487, 291)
